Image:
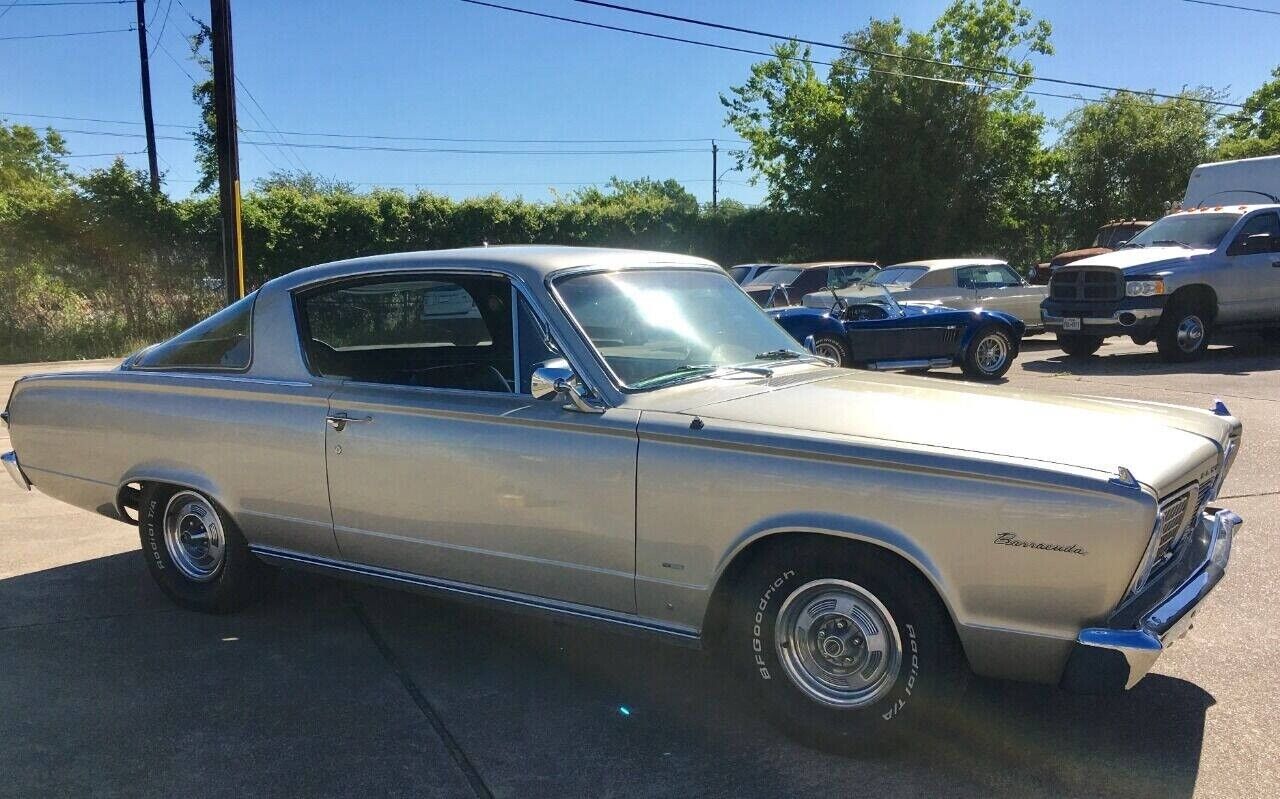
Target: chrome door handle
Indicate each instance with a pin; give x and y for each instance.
(339, 421)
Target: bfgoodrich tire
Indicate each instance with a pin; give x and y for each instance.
(990, 353)
(833, 348)
(844, 645)
(195, 552)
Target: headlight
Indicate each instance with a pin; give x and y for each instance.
(1144, 288)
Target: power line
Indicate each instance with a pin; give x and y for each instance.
(68, 3)
(384, 148)
(130, 29)
(882, 54)
(99, 155)
(1234, 7)
(163, 25)
(383, 137)
(868, 70)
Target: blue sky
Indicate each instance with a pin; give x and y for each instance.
(445, 69)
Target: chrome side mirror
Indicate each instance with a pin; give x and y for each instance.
(555, 378)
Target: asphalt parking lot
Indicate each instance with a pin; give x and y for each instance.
(335, 689)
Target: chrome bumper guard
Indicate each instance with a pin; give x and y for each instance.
(11, 466)
(1121, 654)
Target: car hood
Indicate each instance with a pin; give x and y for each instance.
(1067, 257)
(1159, 444)
(1140, 259)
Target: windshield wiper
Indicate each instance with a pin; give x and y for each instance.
(684, 370)
(1134, 244)
(1172, 241)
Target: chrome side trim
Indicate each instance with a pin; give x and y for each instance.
(11, 466)
(1171, 618)
(921, 363)
(521, 603)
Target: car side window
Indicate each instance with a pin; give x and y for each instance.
(1266, 222)
(532, 343)
(986, 277)
(221, 342)
(437, 331)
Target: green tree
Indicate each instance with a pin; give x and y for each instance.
(1255, 130)
(1130, 155)
(202, 93)
(31, 168)
(897, 153)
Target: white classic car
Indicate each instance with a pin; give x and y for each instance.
(961, 283)
(631, 441)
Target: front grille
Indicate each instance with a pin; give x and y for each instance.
(1175, 516)
(1087, 284)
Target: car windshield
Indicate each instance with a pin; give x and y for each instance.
(1197, 230)
(897, 275)
(869, 294)
(779, 275)
(655, 327)
(739, 273)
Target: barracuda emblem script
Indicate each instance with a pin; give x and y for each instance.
(1012, 540)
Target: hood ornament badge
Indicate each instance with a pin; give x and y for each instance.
(1124, 478)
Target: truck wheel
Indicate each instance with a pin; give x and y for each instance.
(843, 644)
(1077, 346)
(195, 552)
(833, 348)
(990, 354)
(1183, 334)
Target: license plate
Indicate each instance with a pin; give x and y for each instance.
(1070, 324)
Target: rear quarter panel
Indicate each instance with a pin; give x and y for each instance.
(255, 446)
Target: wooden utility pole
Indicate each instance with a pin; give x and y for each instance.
(715, 176)
(146, 97)
(226, 144)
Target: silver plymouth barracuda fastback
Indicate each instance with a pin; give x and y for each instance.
(625, 438)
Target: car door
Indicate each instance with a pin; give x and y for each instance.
(940, 286)
(1249, 286)
(441, 464)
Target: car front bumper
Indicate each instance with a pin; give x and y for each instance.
(10, 460)
(1120, 654)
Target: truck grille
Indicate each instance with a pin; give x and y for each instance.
(1087, 284)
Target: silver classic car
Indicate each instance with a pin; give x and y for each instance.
(626, 439)
(961, 283)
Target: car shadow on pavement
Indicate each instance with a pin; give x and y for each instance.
(337, 688)
(1236, 356)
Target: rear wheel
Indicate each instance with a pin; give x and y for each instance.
(195, 553)
(833, 348)
(844, 644)
(1077, 346)
(1183, 334)
(990, 354)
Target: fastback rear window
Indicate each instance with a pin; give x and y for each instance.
(222, 341)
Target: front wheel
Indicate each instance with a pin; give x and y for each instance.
(843, 644)
(1183, 334)
(990, 354)
(1077, 346)
(195, 552)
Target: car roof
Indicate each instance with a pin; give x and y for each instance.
(950, 263)
(529, 262)
(814, 264)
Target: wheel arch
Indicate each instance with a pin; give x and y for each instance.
(756, 544)
(1201, 294)
(129, 491)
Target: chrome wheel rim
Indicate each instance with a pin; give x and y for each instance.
(838, 643)
(827, 350)
(1190, 333)
(992, 353)
(193, 536)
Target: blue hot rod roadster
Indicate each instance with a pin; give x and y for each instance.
(867, 327)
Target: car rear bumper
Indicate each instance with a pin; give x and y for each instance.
(1120, 654)
(11, 466)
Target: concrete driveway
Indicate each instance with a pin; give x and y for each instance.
(333, 689)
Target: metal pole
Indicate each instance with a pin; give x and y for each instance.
(146, 97)
(715, 176)
(226, 144)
